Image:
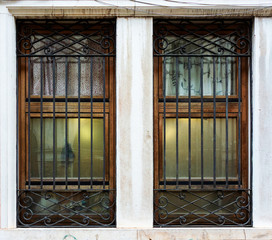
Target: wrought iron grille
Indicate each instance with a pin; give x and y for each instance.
(201, 98)
(66, 114)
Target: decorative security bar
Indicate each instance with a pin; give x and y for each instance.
(66, 161)
(202, 37)
(201, 98)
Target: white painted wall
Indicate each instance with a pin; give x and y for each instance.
(137, 234)
(7, 120)
(134, 111)
(262, 122)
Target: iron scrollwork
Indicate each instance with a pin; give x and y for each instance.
(81, 208)
(65, 37)
(189, 207)
(201, 38)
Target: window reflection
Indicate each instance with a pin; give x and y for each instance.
(223, 69)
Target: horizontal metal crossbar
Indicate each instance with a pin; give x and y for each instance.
(85, 99)
(67, 55)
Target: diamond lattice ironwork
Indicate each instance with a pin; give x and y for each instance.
(65, 37)
(199, 38)
(189, 207)
(80, 208)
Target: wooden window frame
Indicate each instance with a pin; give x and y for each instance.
(72, 113)
(67, 201)
(182, 200)
(196, 111)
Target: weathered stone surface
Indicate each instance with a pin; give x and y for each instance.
(134, 123)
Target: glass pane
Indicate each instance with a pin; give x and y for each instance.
(60, 75)
(183, 148)
(72, 148)
(181, 71)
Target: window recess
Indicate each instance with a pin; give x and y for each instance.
(201, 160)
(66, 110)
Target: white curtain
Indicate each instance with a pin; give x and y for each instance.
(72, 73)
(60, 74)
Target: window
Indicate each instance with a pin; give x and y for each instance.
(66, 109)
(201, 122)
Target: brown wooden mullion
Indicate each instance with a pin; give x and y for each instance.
(72, 107)
(196, 107)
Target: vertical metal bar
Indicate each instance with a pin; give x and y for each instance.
(17, 137)
(201, 89)
(227, 127)
(41, 167)
(91, 84)
(164, 123)
(177, 128)
(66, 123)
(214, 125)
(54, 125)
(78, 168)
(189, 123)
(28, 131)
(251, 134)
(104, 136)
(239, 122)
